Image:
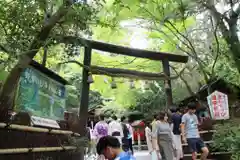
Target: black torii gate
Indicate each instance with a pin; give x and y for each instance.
(157, 56)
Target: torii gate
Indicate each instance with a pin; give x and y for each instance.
(157, 56)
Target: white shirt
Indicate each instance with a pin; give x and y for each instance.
(115, 126)
(148, 133)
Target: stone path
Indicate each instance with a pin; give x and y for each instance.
(142, 155)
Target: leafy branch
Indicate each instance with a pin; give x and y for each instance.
(180, 36)
(218, 46)
(183, 80)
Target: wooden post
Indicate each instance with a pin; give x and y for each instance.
(139, 140)
(167, 83)
(83, 110)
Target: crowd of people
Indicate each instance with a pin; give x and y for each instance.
(164, 136)
(116, 134)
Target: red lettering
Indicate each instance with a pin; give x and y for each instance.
(216, 114)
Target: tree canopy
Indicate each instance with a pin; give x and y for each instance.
(206, 31)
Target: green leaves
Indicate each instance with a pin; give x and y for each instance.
(227, 137)
(19, 22)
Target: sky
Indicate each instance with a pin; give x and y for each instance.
(138, 38)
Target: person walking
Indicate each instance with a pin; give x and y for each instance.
(130, 136)
(148, 135)
(125, 142)
(190, 133)
(165, 138)
(101, 128)
(176, 121)
(154, 136)
(127, 135)
(115, 129)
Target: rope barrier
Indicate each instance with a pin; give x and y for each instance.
(37, 149)
(37, 129)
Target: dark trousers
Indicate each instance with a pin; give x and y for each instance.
(130, 145)
(127, 144)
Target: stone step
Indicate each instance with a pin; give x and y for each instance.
(206, 135)
(185, 146)
(206, 142)
(186, 149)
(214, 156)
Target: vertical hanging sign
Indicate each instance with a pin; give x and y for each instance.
(218, 104)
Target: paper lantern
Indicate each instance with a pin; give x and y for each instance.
(113, 84)
(132, 86)
(90, 78)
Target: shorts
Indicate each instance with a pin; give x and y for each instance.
(195, 144)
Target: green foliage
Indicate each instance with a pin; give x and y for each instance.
(79, 142)
(227, 138)
(74, 96)
(22, 20)
(151, 100)
(3, 75)
(113, 109)
(227, 71)
(19, 22)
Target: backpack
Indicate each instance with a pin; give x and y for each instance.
(101, 130)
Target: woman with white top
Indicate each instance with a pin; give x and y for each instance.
(148, 135)
(115, 129)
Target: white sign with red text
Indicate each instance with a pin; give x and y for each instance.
(218, 104)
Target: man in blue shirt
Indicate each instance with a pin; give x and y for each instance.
(176, 121)
(190, 133)
(110, 147)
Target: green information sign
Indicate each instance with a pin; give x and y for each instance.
(40, 95)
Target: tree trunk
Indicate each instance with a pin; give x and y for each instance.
(190, 91)
(230, 35)
(234, 46)
(187, 86)
(44, 60)
(8, 91)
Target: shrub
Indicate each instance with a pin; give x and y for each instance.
(227, 139)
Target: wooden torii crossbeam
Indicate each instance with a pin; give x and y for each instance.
(91, 44)
(111, 48)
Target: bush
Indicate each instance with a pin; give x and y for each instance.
(227, 139)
